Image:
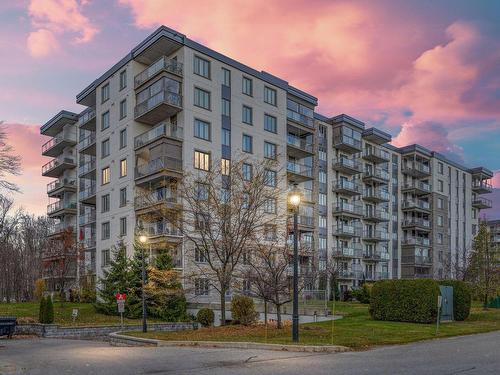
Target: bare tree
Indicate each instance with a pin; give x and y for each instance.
(10, 164)
(223, 210)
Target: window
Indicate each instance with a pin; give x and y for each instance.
(105, 258)
(202, 160)
(322, 221)
(105, 120)
(440, 186)
(123, 109)
(201, 191)
(123, 138)
(269, 95)
(199, 255)
(201, 287)
(245, 204)
(123, 167)
(247, 286)
(105, 93)
(201, 98)
(201, 67)
(247, 143)
(123, 226)
(247, 86)
(225, 195)
(322, 177)
(226, 107)
(440, 203)
(123, 79)
(226, 137)
(440, 168)
(270, 206)
(440, 220)
(322, 199)
(270, 178)
(202, 129)
(247, 171)
(247, 115)
(270, 124)
(105, 203)
(123, 197)
(105, 176)
(269, 150)
(322, 155)
(105, 148)
(440, 238)
(226, 77)
(270, 232)
(105, 233)
(225, 167)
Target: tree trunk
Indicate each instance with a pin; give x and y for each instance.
(278, 315)
(265, 312)
(222, 307)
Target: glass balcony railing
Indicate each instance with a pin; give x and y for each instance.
(418, 241)
(60, 228)
(300, 143)
(87, 141)
(376, 153)
(350, 208)
(420, 185)
(87, 192)
(346, 185)
(64, 136)
(377, 215)
(163, 64)
(342, 139)
(61, 205)
(415, 166)
(158, 165)
(87, 168)
(482, 185)
(345, 229)
(376, 173)
(299, 169)
(163, 96)
(54, 163)
(160, 228)
(416, 259)
(480, 202)
(163, 129)
(300, 118)
(347, 251)
(416, 203)
(163, 195)
(86, 117)
(415, 221)
(87, 218)
(345, 163)
(89, 242)
(378, 194)
(54, 185)
(376, 235)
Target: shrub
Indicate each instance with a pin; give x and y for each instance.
(41, 310)
(243, 310)
(205, 317)
(49, 311)
(347, 295)
(462, 298)
(404, 300)
(87, 295)
(39, 289)
(362, 294)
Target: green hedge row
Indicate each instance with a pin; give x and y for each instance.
(416, 300)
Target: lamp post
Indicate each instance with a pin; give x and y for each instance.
(294, 200)
(143, 239)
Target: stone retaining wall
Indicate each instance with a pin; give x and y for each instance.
(89, 332)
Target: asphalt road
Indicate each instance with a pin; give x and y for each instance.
(477, 354)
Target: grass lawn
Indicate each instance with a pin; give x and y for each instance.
(356, 330)
(62, 313)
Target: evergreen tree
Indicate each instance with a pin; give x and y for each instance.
(41, 311)
(49, 311)
(116, 279)
(134, 297)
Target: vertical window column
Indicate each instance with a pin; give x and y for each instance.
(226, 114)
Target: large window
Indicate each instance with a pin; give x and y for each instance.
(105, 93)
(247, 143)
(123, 226)
(123, 79)
(123, 109)
(269, 150)
(225, 167)
(123, 138)
(105, 258)
(105, 120)
(202, 129)
(226, 77)
(201, 287)
(158, 88)
(202, 160)
(226, 137)
(270, 206)
(105, 176)
(105, 148)
(270, 178)
(270, 124)
(123, 167)
(201, 67)
(123, 197)
(201, 98)
(247, 115)
(226, 107)
(105, 203)
(269, 95)
(247, 171)
(105, 230)
(247, 86)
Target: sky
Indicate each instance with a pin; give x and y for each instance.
(425, 71)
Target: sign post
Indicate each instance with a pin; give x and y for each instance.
(120, 301)
(440, 302)
(74, 314)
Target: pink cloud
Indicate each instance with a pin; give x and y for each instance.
(495, 181)
(52, 18)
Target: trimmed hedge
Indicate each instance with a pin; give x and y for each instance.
(462, 298)
(404, 300)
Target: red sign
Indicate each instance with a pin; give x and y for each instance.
(120, 296)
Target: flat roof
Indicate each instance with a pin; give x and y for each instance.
(63, 115)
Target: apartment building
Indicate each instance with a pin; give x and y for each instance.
(494, 229)
(172, 105)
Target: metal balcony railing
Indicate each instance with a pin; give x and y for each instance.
(87, 167)
(482, 202)
(163, 129)
(163, 195)
(482, 185)
(163, 63)
(376, 152)
(346, 185)
(163, 96)
(61, 137)
(416, 203)
(376, 173)
(60, 205)
(342, 139)
(420, 185)
(86, 117)
(377, 214)
(300, 143)
(54, 185)
(418, 241)
(157, 165)
(377, 194)
(343, 162)
(415, 221)
(160, 228)
(54, 163)
(376, 235)
(299, 169)
(345, 229)
(87, 192)
(343, 207)
(87, 218)
(348, 252)
(87, 141)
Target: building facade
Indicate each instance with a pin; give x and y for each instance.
(172, 105)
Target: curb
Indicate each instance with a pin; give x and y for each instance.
(117, 339)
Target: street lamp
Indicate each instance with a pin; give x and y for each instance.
(143, 239)
(294, 199)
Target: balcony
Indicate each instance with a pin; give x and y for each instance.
(346, 144)
(376, 175)
(298, 172)
(160, 199)
(86, 169)
(56, 167)
(87, 145)
(417, 260)
(416, 241)
(158, 107)
(416, 169)
(58, 187)
(346, 187)
(55, 146)
(305, 222)
(60, 228)
(481, 203)
(159, 167)
(481, 186)
(299, 114)
(88, 194)
(162, 229)
(89, 242)
(416, 187)
(345, 230)
(163, 64)
(164, 129)
(299, 147)
(416, 204)
(417, 223)
(347, 252)
(376, 155)
(376, 195)
(376, 216)
(347, 166)
(87, 120)
(347, 209)
(61, 208)
(87, 218)
(376, 235)
(350, 274)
